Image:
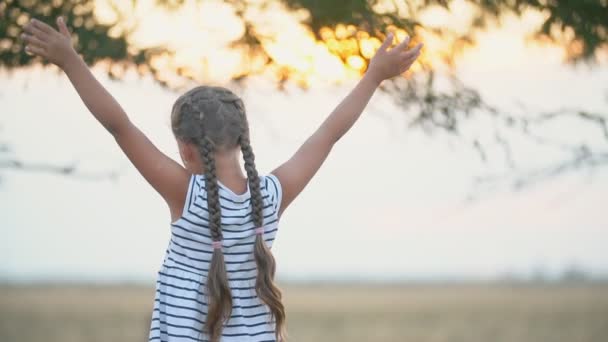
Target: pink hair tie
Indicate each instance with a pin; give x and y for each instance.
(260, 230)
(217, 244)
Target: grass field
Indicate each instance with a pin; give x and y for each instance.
(329, 313)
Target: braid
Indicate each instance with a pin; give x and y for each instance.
(218, 289)
(213, 200)
(254, 182)
(265, 287)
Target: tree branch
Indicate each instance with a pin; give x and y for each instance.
(64, 170)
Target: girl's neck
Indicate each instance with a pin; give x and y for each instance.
(229, 172)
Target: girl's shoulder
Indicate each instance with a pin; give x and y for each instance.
(270, 186)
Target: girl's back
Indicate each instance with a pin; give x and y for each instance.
(181, 305)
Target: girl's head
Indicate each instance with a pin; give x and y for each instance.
(211, 120)
(208, 115)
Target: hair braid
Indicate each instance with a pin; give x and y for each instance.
(211, 186)
(218, 289)
(265, 287)
(254, 182)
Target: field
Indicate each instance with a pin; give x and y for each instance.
(435, 313)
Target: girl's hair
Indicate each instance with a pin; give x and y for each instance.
(214, 119)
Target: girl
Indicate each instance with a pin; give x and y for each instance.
(217, 279)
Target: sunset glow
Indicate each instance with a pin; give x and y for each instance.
(197, 37)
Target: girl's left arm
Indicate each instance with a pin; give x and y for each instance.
(165, 175)
(296, 172)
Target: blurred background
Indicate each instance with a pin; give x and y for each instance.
(467, 204)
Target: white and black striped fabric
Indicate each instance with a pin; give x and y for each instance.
(180, 305)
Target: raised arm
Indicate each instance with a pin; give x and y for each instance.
(164, 174)
(302, 166)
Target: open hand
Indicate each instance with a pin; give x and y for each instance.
(386, 64)
(45, 41)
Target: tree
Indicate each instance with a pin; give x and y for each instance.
(345, 27)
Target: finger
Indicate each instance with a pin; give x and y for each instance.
(33, 30)
(32, 40)
(411, 59)
(43, 26)
(415, 50)
(35, 50)
(63, 29)
(387, 41)
(403, 44)
(408, 63)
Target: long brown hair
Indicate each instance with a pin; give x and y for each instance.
(214, 118)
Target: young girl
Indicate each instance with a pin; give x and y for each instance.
(217, 279)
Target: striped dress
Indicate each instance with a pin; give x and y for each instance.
(180, 304)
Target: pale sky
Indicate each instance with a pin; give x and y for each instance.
(388, 203)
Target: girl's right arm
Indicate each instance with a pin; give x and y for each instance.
(165, 175)
(299, 170)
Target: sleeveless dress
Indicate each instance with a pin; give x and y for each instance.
(180, 304)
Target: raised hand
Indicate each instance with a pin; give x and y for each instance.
(45, 41)
(386, 64)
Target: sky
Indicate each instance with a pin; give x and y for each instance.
(389, 203)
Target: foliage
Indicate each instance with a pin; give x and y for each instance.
(580, 26)
(92, 39)
(586, 21)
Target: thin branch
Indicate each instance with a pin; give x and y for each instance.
(67, 170)
(599, 119)
(521, 180)
(447, 111)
